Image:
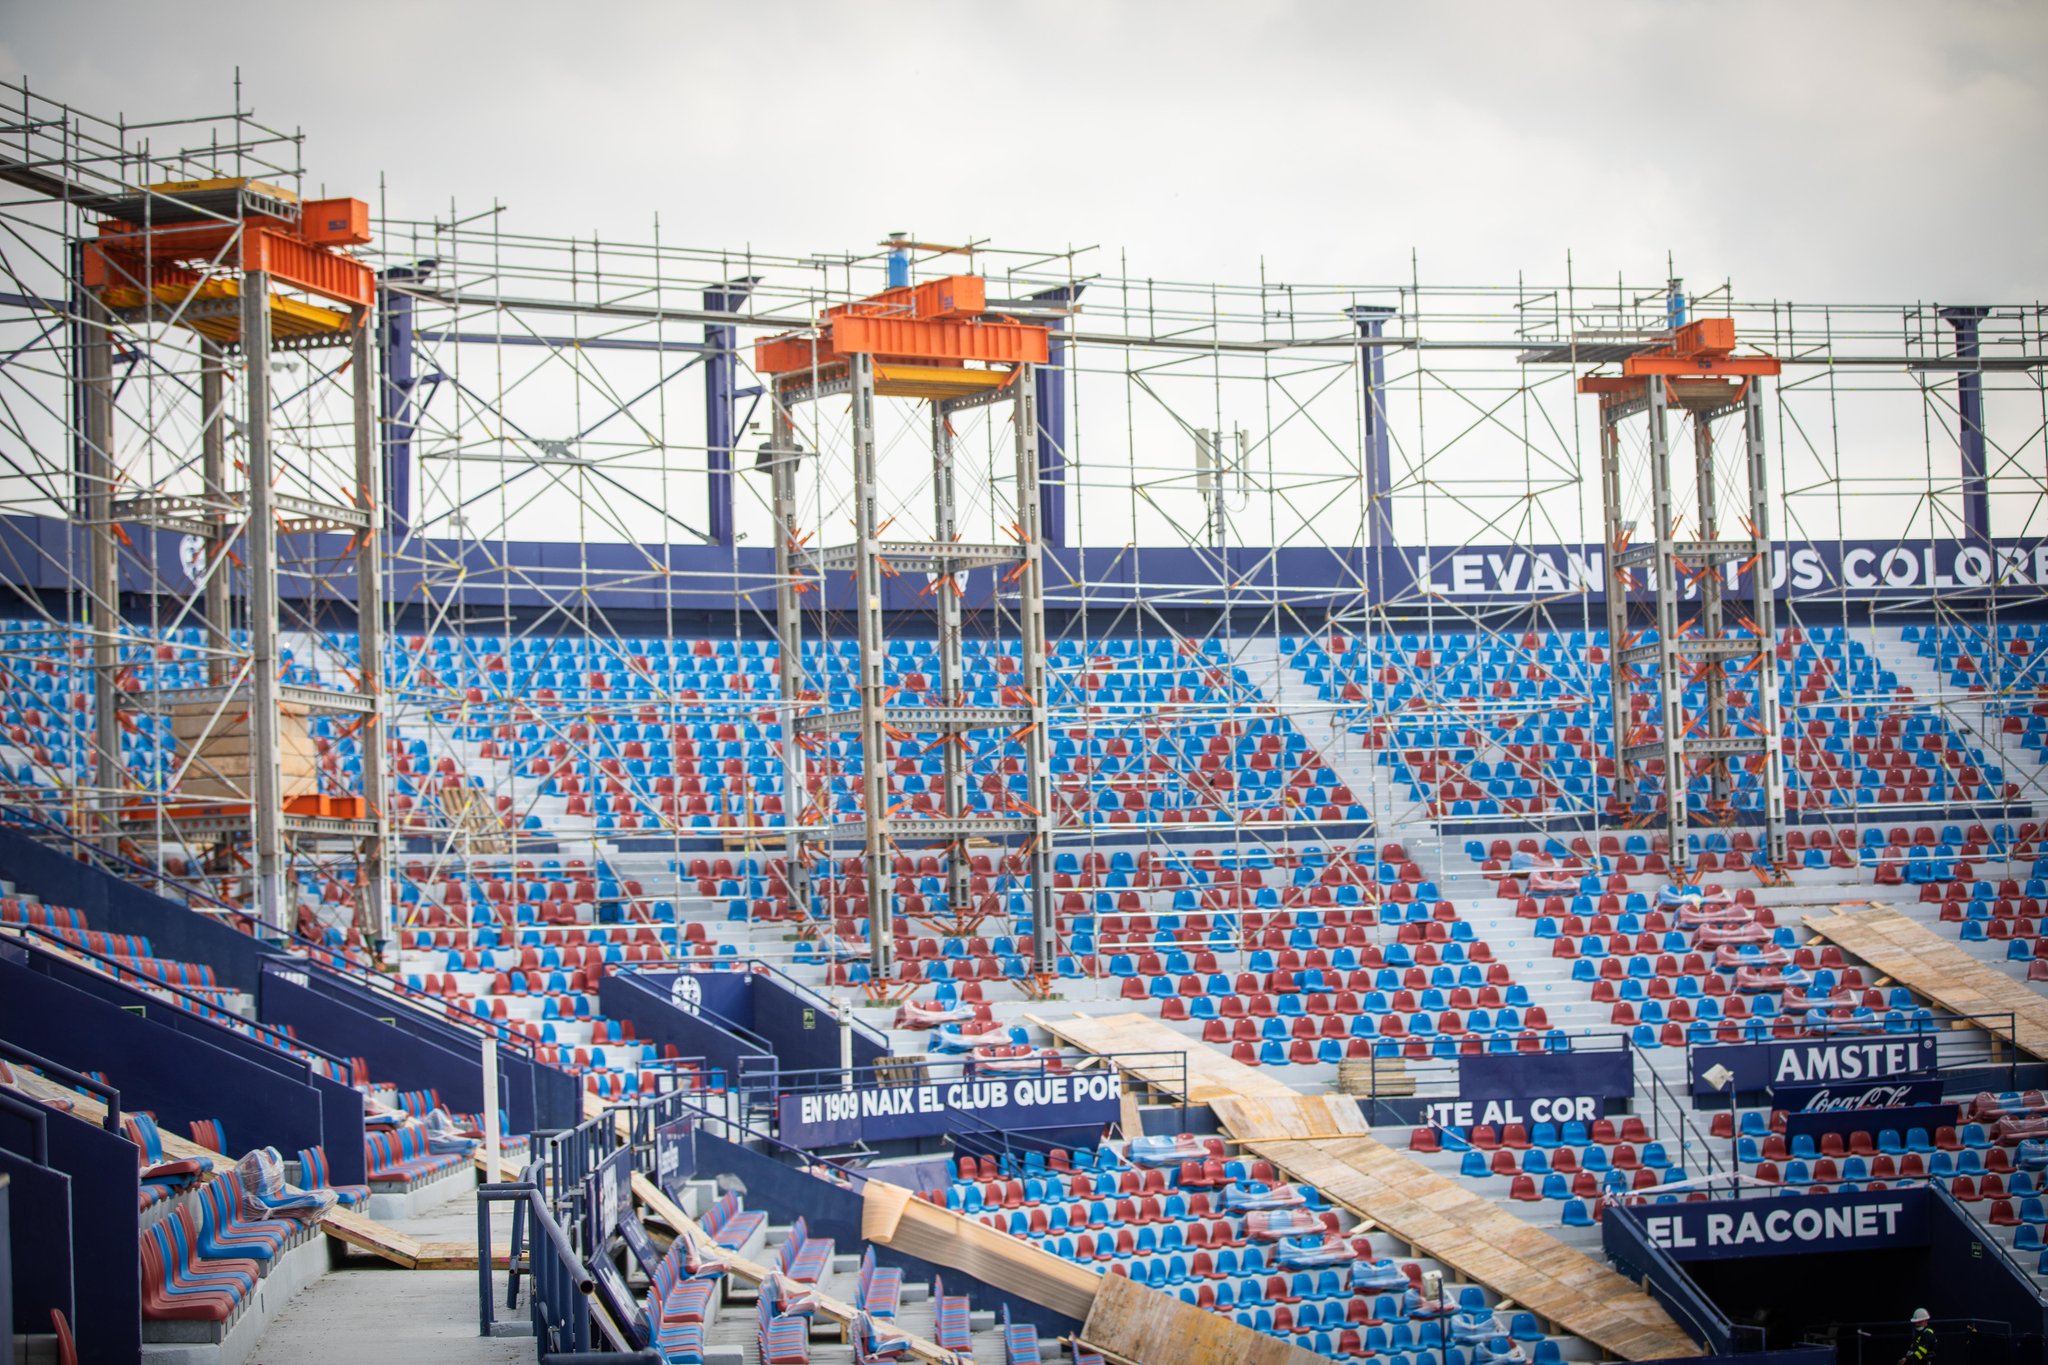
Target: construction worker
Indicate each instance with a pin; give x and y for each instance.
(1923, 1347)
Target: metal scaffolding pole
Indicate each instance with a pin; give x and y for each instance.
(1763, 607)
(874, 664)
(372, 892)
(1670, 680)
(213, 474)
(1031, 618)
(1618, 581)
(98, 472)
(952, 669)
(266, 786)
(1707, 573)
(784, 458)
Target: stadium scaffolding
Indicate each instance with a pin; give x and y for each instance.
(520, 437)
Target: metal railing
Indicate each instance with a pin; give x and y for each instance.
(286, 941)
(557, 1284)
(122, 974)
(108, 1096)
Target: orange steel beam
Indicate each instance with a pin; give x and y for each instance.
(1704, 347)
(937, 322)
(955, 296)
(1008, 343)
(126, 254)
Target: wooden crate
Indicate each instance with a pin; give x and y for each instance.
(1379, 1076)
(222, 766)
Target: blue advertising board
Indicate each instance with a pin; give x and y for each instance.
(525, 573)
(609, 1190)
(675, 1156)
(1811, 1061)
(1885, 1094)
(1004, 1103)
(1789, 1225)
(1536, 1087)
(1816, 1123)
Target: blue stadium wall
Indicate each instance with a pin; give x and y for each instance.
(692, 583)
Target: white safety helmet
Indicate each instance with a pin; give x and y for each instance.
(1919, 1316)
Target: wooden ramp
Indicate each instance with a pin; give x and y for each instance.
(1324, 1141)
(1913, 955)
(1121, 1319)
(1136, 1322)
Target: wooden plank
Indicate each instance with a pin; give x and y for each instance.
(1208, 1073)
(1134, 1322)
(1277, 1119)
(372, 1236)
(1916, 957)
(1313, 1140)
(895, 1217)
(1483, 1242)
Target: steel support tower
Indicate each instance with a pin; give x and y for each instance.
(931, 344)
(276, 281)
(1673, 652)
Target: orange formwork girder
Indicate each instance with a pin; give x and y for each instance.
(127, 254)
(1004, 343)
(955, 296)
(937, 322)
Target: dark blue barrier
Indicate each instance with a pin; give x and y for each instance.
(6, 1255)
(178, 1077)
(1788, 1225)
(1816, 1122)
(38, 1201)
(341, 1132)
(675, 1156)
(341, 1108)
(1862, 1095)
(803, 1030)
(869, 1111)
(533, 1094)
(120, 908)
(1574, 1085)
(105, 1284)
(1970, 1277)
(832, 1210)
(1637, 1257)
(395, 1057)
(1315, 579)
(1848, 1060)
(644, 1000)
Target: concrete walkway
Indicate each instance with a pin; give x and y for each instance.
(373, 1311)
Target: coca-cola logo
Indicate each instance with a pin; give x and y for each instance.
(1876, 1097)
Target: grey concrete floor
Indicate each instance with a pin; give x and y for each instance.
(374, 1311)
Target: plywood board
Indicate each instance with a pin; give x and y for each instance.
(1915, 956)
(895, 1217)
(1206, 1074)
(372, 1236)
(1276, 1119)
(1323, 1141)
(1135, 1322)
(1483, 1242)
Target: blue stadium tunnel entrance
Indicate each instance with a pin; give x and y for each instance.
(1762, 1270)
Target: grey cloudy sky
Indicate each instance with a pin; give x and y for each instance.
(1826, 151)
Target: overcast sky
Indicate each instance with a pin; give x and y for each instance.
(1843, 151)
